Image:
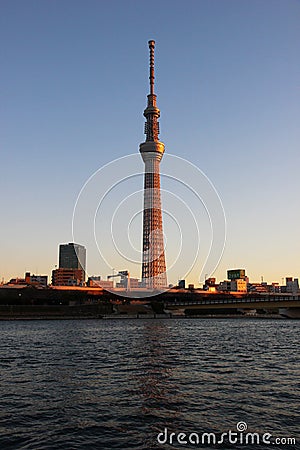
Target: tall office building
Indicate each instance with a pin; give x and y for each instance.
(72, 256)
(153, 265)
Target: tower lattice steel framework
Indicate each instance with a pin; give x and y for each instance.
(154, 264)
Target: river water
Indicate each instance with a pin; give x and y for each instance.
(105, 384)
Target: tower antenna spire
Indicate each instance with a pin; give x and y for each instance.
(151, 77)
(152, 112)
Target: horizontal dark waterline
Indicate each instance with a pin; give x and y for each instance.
(145, 317)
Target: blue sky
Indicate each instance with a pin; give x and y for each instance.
(74, 85)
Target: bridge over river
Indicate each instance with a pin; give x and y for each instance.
(233, 301)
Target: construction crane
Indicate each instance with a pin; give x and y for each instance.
(125, 278)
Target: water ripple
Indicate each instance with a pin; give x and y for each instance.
(117, 384)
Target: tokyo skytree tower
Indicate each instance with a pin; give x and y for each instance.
(154, 265)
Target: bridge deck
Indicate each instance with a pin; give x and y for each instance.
(247, 302)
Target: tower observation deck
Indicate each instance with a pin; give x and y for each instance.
(153, 265)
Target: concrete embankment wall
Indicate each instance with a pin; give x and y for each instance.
(53, 312)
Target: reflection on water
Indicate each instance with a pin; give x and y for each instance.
(156, 382)
(117, 384)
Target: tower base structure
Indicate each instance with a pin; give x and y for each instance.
(154, 265)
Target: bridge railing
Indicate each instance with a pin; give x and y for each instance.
(224, 301)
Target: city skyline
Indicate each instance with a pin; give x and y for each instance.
(72, 258)
(229, 91)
